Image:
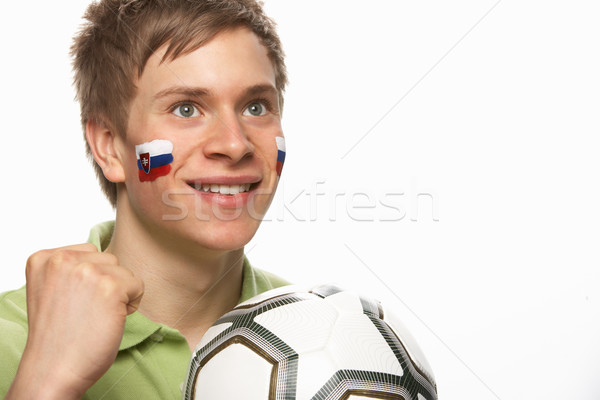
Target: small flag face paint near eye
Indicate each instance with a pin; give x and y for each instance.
(154, 159)
(280, 153)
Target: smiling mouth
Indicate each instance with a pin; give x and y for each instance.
(223, 189)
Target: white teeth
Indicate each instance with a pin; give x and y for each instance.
(223, 189)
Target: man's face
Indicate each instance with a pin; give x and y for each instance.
(219, 108)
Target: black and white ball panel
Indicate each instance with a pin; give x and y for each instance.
(320, 344)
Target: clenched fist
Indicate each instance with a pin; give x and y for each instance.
(77, 303)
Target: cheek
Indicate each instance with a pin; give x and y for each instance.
(280, 143)
(153, 159)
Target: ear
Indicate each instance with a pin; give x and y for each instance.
(103, 143)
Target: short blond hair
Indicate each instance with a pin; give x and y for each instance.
(119, 37)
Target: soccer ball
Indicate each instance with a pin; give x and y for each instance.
(324, 343)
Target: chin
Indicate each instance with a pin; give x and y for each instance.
(225, 236)
(226, 242)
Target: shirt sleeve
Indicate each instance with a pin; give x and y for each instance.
(13, 334)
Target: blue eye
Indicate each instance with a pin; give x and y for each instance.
(255, 109)
(186, 110)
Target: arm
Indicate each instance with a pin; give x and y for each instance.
(77, 302)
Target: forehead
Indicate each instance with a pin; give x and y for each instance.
(232, 59)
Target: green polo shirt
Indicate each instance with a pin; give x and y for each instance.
(152, 359)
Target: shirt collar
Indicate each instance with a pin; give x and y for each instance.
(137, 329)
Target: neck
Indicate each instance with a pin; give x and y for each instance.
(186, 287)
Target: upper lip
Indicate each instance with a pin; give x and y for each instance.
(225, 180)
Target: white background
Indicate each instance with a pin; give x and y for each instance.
(495, 120)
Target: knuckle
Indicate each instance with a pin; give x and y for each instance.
(60, 258)
(112, 259)
(138, 284)
(85, 271)
(89, 247)
(39, 257)
(34, 261)
(108, 285)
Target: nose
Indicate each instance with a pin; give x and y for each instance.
(228, 140)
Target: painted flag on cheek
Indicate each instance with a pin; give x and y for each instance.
(280, 153)
(154, 159)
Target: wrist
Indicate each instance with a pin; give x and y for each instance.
(36, 381)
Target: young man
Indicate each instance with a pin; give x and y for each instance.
(181, 106)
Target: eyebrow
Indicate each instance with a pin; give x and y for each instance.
(261, 89)
(182, 90)
(202, 92)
